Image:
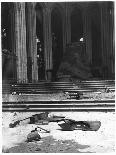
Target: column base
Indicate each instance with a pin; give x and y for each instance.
(49, 75)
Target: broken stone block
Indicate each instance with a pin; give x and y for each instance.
(33, 136)
(42, 122)
(83, 125)
(67, 126)
(93, 126)
(38, 118)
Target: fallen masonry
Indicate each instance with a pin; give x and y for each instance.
(33, 136)
(68, 124)
(97, 141)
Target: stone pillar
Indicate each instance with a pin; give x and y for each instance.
(66, 27)
(31, 40)
(47, 42)
(14, 58)
(20, 42)
(68, 24)
(111, 39)
(87, 34)
(107, 29)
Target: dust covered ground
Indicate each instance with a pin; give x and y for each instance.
(58, 141)
(101, 94)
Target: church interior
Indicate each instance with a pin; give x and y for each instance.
(47, 41)
(58, 64)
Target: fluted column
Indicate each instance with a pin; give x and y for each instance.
(68, 24)
(111, 38)
(87, 34)
(20, 42)
(107, 29)
(31, 40)
(64, 28)
(14, 58)
(47, 42)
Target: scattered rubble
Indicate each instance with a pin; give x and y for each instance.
(100, 141)
(33, 136)
(36, 118)
(74, 95)
(70, 125)
(51, 124)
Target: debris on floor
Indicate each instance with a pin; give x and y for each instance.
(74, 95)
(14, 139)
(43, 129)
(33, 136)
(36, 118)
(55, 118)
(82, 125)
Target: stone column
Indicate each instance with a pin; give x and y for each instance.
(47, 42)
(14, 58)
(111, 38)
(68, 23)
(87, 34)
(20, 42)
(66, 27)
(107, 29)
(31, 40)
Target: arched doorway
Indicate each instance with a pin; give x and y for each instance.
(8, 57)
(96, 40)
(57, 40)
(76, 25)
(40, 42)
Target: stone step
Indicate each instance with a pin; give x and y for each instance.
(58, 91)
(102, 109)
(96, 81)
(57, 101)
(56, 105)
(55, 87)
(43, 90)
(61, 86)
(27, 106)
(68, 83)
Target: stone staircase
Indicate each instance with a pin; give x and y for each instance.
(56, 87)
(32, 91)
(64, 105)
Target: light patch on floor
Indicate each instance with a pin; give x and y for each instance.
(99, 141)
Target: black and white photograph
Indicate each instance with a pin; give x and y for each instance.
(58, 76)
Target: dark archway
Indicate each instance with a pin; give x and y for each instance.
(76, 25)
(8, 57)
(57, 40)
(96, 40)
(40, 42)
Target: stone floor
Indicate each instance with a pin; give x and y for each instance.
(58, 141)
(58, 96)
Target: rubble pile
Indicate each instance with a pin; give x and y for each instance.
(39, 128)
(51, 136)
